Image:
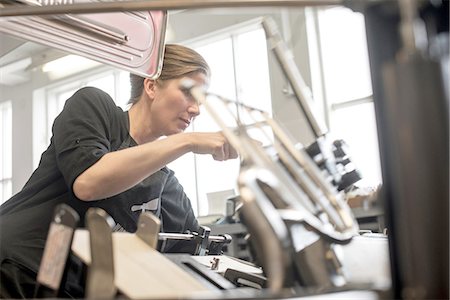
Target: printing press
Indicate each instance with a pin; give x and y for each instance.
(304, 239)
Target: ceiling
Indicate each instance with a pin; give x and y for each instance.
(18, 57)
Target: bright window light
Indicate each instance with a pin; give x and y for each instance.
(348, 89)
(68, 65)
(345, 54)
(5, 150)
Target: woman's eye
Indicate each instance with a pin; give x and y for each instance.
(186, 92)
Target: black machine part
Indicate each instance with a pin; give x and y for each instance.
(337, 163)
(412, 111)
(207, 277)
(201, 242)
(240, 279)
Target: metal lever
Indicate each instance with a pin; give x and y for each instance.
(100, 278)
(301, 90)
(57, 247)
(148, 229)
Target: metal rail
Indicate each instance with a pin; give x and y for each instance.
(114, 6)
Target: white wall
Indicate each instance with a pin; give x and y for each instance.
(185, 25)
(22, 148)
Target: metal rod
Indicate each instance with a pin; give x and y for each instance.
(96, 7)
(350, 103)
(200, 96)
(92, 26)
(301, 90)
(162, 236)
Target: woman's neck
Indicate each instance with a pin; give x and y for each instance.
(140, 123)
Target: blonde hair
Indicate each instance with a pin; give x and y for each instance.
(179, 61)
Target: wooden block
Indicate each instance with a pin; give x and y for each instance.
(140, 271)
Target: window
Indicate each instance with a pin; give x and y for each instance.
(51, 100)
(342, 67)
(239, 67)
(5, 151)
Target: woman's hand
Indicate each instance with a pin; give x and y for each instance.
(213, 143)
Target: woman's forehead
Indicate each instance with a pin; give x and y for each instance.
(200, 79)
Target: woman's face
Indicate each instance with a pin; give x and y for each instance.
(173, 108)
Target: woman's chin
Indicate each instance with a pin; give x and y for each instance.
(176, 131)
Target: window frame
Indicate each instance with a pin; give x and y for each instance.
(47, 96)
(319, 80)
(231, 32)
(6, 156)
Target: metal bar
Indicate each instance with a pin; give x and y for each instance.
(162, 236)
(342, 217)
(200, 96)
(96, 7)
(352, 102)
(287, 63)
(95, 27)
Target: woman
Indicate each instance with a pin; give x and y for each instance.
(101, 156)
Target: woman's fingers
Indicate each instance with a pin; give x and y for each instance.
(220, 154)
(226, 152)
(215, 144)
(232, 152)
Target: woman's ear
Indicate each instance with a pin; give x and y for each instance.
(149, 87)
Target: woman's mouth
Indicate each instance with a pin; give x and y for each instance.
(186, 121)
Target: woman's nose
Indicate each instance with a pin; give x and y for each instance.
(194, 109)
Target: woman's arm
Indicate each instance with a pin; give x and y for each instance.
(120, 170)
